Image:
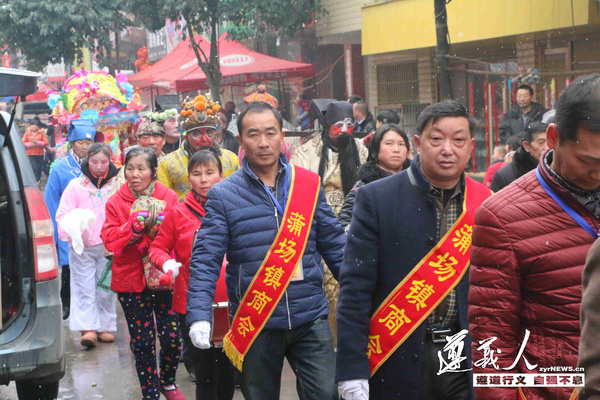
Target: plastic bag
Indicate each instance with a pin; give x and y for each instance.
(74, 223)
(105, 278)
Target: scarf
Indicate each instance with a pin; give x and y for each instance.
(75, 157)
(200, 199)
(192, 207)
(348, 158)
(146, 192)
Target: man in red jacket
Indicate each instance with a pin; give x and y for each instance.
(529, 246)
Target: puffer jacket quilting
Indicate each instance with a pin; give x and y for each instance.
(240, 221)
(526, 267)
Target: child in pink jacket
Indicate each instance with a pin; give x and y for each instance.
(80, 217)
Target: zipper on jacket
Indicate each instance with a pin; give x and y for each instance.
(320, 272)
(239, 288)
(269, 196)
(287, 303)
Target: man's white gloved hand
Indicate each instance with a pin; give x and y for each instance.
(356, 389)
(173, 266)
(200, 334)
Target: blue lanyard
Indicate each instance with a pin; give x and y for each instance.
(578, 218)
(279, 207)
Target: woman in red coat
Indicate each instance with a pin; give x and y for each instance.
(215, 375)
(125, 234)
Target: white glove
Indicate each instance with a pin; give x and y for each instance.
(74, 223)
(200, 334)
(173, 266)
(356, 389)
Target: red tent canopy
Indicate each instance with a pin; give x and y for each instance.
(180, 55)
(41, 94)
(239, 65)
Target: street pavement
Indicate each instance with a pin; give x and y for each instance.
(108, 372)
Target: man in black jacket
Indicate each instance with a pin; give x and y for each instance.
(525, 158)
(521, 114)
(364, 119)
(397, 222)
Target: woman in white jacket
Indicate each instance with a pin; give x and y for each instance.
(80, 217)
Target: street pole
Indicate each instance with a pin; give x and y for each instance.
(443, 49)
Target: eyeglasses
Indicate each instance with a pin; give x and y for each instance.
(348, 122)
(198, 132)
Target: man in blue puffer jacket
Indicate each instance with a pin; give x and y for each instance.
(242, 220)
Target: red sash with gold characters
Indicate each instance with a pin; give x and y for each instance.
(277, 269)
(427, 284)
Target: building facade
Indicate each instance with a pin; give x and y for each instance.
(494, 46)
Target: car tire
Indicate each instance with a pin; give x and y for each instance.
(28, 390)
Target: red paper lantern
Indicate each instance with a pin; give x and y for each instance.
(142, 52)
(138, 63)
(144, 66)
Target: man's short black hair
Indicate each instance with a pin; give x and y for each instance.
(362, 107)
(578, 107)
(446, 108)
(258, 107)
(526, 87)
(354, 99)
(388, 117)
(501, 148)
(533, 128)
(514, 141)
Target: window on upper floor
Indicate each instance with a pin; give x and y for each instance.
(397, 83)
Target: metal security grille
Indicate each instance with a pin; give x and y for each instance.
(397, 83)
(408, 115)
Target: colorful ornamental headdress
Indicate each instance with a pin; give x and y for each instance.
(154, 123)
(199, 112)
(161, 117)
(262, 95)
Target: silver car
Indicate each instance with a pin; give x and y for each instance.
(32, 351)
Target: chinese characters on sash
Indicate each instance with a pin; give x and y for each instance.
(286, 250)
(277, 270)
(430, 281)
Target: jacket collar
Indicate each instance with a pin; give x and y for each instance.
(418, 180)
(74, 157)
(524, 161)
(250, 174)
(536, 109)
(370, 172)
(190, 201)
(98, 182)
(573, 196)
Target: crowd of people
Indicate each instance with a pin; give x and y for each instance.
(425, 256)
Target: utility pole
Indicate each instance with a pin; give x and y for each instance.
(443, 48)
